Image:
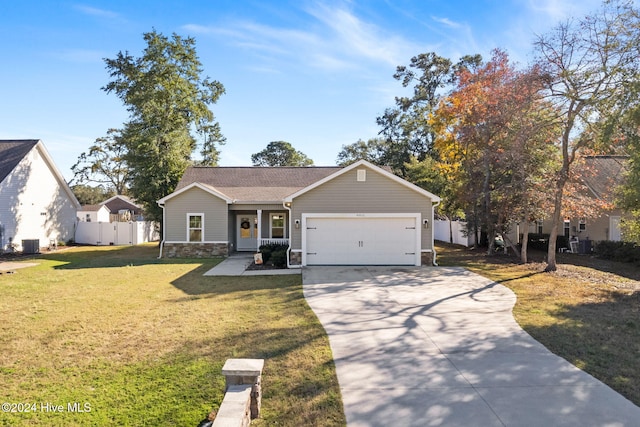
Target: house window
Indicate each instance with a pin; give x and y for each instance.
(582, 224)
(194, 227)
(88, 218)
(567, 227)
(277, 226)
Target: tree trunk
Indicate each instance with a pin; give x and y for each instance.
(557, 217)
(486, 189)
(450, 231)
(525, 242)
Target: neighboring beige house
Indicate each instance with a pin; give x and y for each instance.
(607, 174)
(357, 215)
(94, 213)
(37, 207)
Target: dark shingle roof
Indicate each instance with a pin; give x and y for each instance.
(11, 152)
(118, 203)
(255, 184)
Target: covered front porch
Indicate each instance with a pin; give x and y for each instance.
(255, 228)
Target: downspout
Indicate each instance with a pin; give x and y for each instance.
(164, 229)
(433, 246)
(284, 204)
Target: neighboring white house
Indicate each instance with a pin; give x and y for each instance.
(94, 213)
(116, 221)
(36, 204)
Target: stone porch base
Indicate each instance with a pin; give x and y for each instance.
(195, 250)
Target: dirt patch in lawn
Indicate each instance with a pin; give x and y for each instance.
(7, 266)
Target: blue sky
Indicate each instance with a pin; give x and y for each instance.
(313, 73)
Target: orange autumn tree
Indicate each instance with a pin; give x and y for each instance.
(494, 138)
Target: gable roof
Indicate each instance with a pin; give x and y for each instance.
(605, 173)
(375, 168)
(120, 202)
(93, 208)
(203, 187)
(255, 184)
(12, 152)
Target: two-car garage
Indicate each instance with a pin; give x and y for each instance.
(361, 239)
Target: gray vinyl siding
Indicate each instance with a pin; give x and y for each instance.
(378, 194)
(196, 200)
(251, 207)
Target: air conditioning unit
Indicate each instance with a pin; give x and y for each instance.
(31, 246)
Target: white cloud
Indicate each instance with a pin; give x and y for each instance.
(94, 11)
(447, 22)
(559, 10)
(331, 39)
(355, 37)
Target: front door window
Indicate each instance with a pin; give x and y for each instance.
(247, 232)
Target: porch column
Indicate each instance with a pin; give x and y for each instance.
(259, 232)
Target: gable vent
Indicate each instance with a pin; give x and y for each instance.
(362, 175)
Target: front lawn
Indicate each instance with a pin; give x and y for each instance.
(114, 336)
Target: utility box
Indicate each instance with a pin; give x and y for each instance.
(31, 246)
(584, 246)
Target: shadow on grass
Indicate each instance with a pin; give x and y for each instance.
(623, 269)
(457, 255)
(116, 256)
(602, 338)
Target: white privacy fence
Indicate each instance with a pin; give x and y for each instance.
(116, 233)
(442, 230)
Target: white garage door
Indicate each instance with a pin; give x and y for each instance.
(356, 240)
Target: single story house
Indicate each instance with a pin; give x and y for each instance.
(37, 207)
(356, 215)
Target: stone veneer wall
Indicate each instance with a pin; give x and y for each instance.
(426, 258)
(295, 258)
(195, 250)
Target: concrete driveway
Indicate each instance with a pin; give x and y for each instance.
(439, 347)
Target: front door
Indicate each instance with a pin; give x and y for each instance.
(247, 232)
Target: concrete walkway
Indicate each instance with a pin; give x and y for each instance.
(439, 347)
(236, 265)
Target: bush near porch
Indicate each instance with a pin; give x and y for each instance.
(274, 254)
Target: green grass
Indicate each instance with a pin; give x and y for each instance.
(142, 341)
(587, 312)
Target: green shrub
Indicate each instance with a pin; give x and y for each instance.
(279, 258)
(266, 253)
(618, 251)
(275, 254)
